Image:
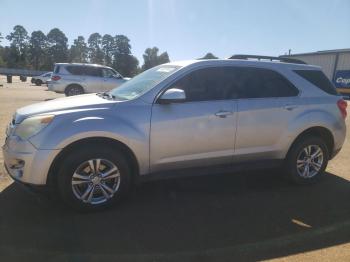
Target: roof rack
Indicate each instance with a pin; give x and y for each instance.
(271, 58)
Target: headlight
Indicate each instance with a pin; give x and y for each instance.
(32, 125)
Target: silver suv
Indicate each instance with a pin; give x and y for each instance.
(77, 79)
(180, 118)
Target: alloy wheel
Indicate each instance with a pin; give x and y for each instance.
(95, 181)
(310, 161)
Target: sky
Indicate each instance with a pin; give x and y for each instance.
(188, 29)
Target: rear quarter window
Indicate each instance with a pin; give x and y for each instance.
(57, 69)
(318, 79)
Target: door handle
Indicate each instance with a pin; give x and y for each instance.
(290, 107)
(223, 114)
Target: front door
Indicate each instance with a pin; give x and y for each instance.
(199, 131)
(110, 79)
(92, 79)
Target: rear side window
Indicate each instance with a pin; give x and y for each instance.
(318, 79)
(263, 83)
(75, 70)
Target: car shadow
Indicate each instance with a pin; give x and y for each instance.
(248, 216)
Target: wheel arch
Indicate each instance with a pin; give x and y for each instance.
(318, 131)
(130, 156)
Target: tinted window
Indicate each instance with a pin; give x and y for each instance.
(234, 82)
(260, 83)
(93, 71)
(318, 78)
(75, 70)
(215, 83)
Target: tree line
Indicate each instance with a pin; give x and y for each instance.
(39, 51)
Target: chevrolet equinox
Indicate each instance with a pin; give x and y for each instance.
(180, 118)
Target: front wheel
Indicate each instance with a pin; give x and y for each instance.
(93, 179)
(307, 160)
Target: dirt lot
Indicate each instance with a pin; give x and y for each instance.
(245, 216)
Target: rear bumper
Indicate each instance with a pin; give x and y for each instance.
(344, 91)
(339, 135)
(334, 153)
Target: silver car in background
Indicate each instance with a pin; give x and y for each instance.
(181, 118)
(76, 79)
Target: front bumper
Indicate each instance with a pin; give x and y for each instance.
(25, 163)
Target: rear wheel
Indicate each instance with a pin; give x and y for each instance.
(74, 90)
(93, 179)
(307, 160)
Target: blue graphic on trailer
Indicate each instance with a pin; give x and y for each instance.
(342, 79)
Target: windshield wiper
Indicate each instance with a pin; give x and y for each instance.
(107, 95)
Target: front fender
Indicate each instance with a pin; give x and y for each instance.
(133, 131)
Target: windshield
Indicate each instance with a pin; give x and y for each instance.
(143, 82)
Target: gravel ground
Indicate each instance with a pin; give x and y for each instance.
(246, 216)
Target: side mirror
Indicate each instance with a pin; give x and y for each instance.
(173, 95)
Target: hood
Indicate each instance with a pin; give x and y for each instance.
(89, 101)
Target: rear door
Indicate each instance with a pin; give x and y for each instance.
(199, 131)
(267, 104)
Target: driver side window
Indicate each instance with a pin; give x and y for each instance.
(208, 84)
(107, 73)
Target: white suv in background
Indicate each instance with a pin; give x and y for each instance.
(42, 79)
(76, 79)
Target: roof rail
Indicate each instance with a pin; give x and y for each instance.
(271, 58)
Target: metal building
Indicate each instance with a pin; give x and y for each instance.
(334, 63)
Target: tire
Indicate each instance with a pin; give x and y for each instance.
(38, 82)
(303, 164)
(82, 188)
(74, 90)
